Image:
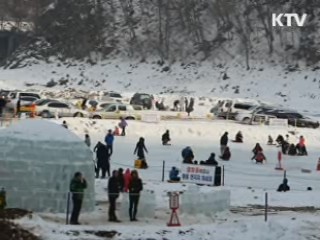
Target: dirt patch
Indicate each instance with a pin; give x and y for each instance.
(10, 231)
(13, 213)
(256, 210)
(104, 234)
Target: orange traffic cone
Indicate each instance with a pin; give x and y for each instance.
(279, 165)
(318, 165)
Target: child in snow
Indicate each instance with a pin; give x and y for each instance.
(123, 124)
(116, 131)
(301, 147)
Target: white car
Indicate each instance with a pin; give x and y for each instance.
(55, 108)
(25, 99)
(115, 111)
(255, 114)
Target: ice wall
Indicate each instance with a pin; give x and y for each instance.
(38, 159)
(146, 208)
(193, 201)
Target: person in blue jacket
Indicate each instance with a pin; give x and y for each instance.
(187, 155)
(109, 142)
(173, 174)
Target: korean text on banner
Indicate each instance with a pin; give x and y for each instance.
(198, 174)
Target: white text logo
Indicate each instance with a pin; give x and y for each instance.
(292, 19)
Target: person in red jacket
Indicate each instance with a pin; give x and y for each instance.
(255, 150)
(260, 157)
(301, 146)
(135, 187)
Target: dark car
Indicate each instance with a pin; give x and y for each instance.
(142, 99)
(294, 118)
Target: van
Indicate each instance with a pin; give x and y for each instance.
(228, 109)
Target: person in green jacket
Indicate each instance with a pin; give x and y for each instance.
(77, 186)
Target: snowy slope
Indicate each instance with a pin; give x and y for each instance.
(269, 82)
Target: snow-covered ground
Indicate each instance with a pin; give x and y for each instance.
(247, 182)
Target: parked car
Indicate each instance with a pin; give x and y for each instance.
(255, 114)
(228, 109)
(263, 114)
(27, 107)
(111, 97)
(51, 109)
(25, 99)
(115, 111)
(142, 99)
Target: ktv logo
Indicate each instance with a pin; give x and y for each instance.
(291, 20)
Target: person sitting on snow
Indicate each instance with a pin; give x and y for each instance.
(64, 124)
(255, 150)
(260, 157)
(280, 140)
(226, 155)
(211, 160)
(166, 138)
(174, 174)
(301, 147)
(292, 150)
(187, 155)
(270, 140)
(239, 137)
(284, 187)
(116, 131)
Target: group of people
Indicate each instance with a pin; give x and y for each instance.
(118, 183)
(288, 148)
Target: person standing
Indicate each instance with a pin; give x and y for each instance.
(2, 105)
(87, 140)
(135, 187)
(140, 148)
(77, 186)
(223, 142)
(109, 142)
(102, 160)
(123, 124)
(121, 179)
(18, 110)
(127, 180)
(113, 194)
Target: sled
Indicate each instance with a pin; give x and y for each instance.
(234, 141)
(305, 170)
(171, 181)
(140, 164)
